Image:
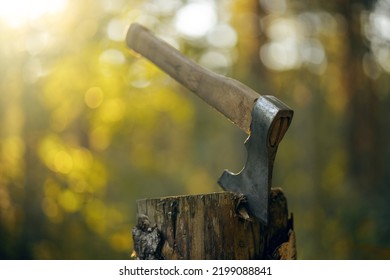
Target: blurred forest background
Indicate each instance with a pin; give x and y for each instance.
(87, 127)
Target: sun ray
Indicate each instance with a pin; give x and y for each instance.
(17, 13)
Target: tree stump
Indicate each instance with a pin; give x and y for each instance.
(212, 226)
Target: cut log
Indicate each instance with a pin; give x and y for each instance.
(212, 226)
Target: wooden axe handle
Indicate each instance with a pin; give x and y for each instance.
(230, 97)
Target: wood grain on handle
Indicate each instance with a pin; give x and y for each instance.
(230, 97)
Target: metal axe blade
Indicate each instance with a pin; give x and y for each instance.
(270, 119)
(265, 118)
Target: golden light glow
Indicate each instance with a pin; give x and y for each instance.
(93, 97)
(17, 13)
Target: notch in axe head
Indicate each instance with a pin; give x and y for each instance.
(264, 118)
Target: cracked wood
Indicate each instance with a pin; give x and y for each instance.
(212, 226)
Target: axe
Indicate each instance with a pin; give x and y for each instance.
(264, 118)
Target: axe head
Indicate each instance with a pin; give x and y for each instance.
(267, 122)
(270, 120)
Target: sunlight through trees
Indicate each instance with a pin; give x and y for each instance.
(87, 126)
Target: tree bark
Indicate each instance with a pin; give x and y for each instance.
(212, 226)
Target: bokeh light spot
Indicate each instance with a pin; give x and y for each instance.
(63, 162)
(116, 30)
(93, 97)
(69, 201)
(280, 56)
(215, 61)
(120, 241)
(195, 19)
(112, 56)
(100, 138)
(49, 207)
(222, 36)
(113, 110)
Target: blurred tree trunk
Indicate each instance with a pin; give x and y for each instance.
(364, 137)
(358, 131)
(250, 38)
(363, 104)
(32, 231)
